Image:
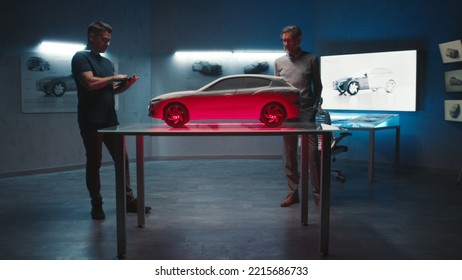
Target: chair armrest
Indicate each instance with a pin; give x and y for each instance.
(341, 136)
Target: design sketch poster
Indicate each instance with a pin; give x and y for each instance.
(453, 81)
(451, 51)
(452, 110)
(47, 84)
(383, 81)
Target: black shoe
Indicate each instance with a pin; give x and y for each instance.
(97, 213)
(132, 207)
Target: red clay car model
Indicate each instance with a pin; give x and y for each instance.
(267, 98)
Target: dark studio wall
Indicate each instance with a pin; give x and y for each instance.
(44, 141)
(146, 33)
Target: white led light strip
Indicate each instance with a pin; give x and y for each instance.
(59, 47)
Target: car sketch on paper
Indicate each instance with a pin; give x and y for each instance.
(453, 81)
(257, 67)
(56, 85)
(36, 63)
(206, 68)
(452, 53)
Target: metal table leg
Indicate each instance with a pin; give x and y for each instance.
(371, 156)
(325, 191)
(397, 148)
(304, 179)
(140, 179)
(119, 162)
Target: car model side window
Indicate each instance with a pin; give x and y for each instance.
(256, 82)
(227, 84)
(279, 83)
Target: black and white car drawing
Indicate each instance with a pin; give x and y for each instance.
(452, 53)
(373, 79)
(257, 67)
(206, 68)
(454, 112)
(56, 85)
(36, 63)
(453, 81)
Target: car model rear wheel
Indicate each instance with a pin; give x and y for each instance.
(353, 88)
(176, 115)
(273, 114)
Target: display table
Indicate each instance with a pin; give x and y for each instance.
(221, 129)
(370, 123)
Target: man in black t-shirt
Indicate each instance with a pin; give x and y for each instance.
(96, 86)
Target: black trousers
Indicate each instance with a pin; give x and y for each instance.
(93, 142)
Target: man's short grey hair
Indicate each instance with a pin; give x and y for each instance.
(294, 30)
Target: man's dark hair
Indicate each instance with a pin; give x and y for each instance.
(294, 30)
(98, 26)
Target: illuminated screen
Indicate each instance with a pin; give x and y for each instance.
(383, 81)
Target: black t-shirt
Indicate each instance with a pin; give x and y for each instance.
(95, 107)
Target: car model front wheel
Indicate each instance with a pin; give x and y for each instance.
(176, 115)
(273, 114)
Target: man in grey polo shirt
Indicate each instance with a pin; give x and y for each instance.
(300, 69)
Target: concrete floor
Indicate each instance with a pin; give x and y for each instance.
(229, 209)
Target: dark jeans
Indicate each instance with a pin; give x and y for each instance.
(93, 142)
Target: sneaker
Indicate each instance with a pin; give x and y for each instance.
(132, 207)
(97, 213)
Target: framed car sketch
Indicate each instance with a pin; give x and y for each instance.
(47, 84)
(451, 51)
(452, 110)
(453, 81)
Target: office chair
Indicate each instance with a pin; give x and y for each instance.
(324, 117)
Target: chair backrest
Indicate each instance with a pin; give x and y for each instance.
(323, 116)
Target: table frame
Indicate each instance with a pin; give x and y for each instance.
(140, 130)
(354, 122)
(371, 159)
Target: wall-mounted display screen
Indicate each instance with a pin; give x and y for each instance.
(382, 81)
